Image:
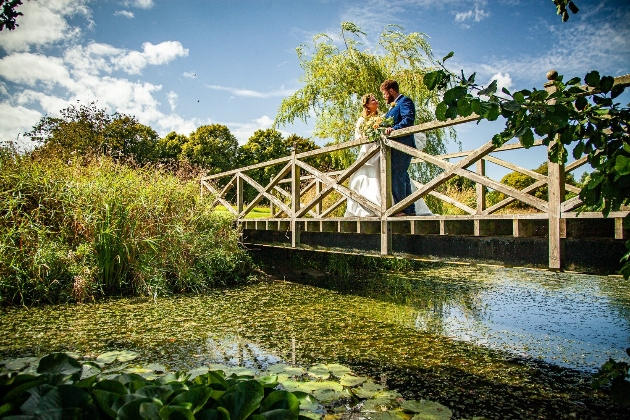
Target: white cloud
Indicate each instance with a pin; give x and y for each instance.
(30, 69)
(44, 23)
(243, 131)
(141, 4)
(503, 81)
(477, 15)
(190, 74)
(124, 13)
(16, 120)
(252, 93)
(174, 122)
(172, 100)
(134, 61)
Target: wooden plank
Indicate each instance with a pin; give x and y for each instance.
(516, 168)
(332, 208)
(385, 158)
(447, 199)
(318, 191)
(431, 125)
(620, 233)
(333, 148)
(576, 164)
(239, 194)
(265, 191)
(450, 171)
(571, 204)
(340, 178)
(508, 200)
(498, 149)
(480, 189)
(261, 190)
(295, 201)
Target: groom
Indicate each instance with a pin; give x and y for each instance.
(404, 112)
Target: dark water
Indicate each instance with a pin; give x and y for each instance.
(485, 341)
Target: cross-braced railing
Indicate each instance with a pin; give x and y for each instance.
(305, 205)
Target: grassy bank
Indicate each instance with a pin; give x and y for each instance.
(71, 232)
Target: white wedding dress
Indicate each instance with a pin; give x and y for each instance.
(366, 180)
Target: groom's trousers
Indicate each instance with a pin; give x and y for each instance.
(401, 183)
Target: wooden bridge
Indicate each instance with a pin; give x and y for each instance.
(296, 198)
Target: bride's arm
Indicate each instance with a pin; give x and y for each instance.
(357, 128)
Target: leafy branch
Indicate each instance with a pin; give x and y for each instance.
(583, 119)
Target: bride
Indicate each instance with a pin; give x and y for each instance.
(366, 180)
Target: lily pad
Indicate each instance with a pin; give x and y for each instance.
(122, 356)
(385, 415)
(330, 395)
(368, 390)
(19, 364)
(338, 370)
(312, 386)
(351, 380)
(319, 371)
(431, 411)
(282, 369)
(202, 370)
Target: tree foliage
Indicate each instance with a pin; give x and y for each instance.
(8, 15)
(569, 116)
(335, 79)
(213, 147)
(88, 130)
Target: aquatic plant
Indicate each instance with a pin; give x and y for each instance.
(63, 387)
(71, 232)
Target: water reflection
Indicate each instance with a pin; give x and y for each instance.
(571, 320)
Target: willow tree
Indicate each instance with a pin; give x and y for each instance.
(335, 77)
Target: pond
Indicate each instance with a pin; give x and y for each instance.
(485, 341)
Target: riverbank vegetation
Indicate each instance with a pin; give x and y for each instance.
(76, 231)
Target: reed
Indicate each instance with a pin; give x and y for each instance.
(71, 232)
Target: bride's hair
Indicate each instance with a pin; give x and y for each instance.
(364, 101)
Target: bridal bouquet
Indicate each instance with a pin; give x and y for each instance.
(373, 126)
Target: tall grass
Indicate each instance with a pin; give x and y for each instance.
(71, 232)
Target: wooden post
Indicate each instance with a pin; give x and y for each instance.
(555, 176)
(295, 200)
(239, 194)
(386, 198)
(481, 190)
(619, 232)
(318, 190)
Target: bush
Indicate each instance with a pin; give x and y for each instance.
(74, 232)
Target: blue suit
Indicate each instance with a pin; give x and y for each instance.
(404, 114)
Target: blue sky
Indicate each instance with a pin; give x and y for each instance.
(179, 65)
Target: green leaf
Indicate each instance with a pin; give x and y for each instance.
(574, 81)
(512, 106)
(578, 150)
(161, 393)
(432, 79)
(121, 356)
(447, 56)
(111, 386)
(451, 112)
(242, 399)
(106, 400)
(572, 7)
(464, 107)
(580, 103)
(338, 370)
(622, 165)
(280, 400)
(617, 90)
(493, 112)
(368, 390)
(592, 79)
(280, 414)
(490, 90)
(46, 397)
(440, 111)
(527, 139)
(197, 397)
(454, 94)
(131, 409)
(170, 412)
(606, 83)
(428, 410)
(150, 411)
(539, 95)
(519, 97)
(208, 414)
(350, 380)
(60, 364)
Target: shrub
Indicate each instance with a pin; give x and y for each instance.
(73, 232)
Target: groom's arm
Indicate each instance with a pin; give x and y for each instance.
(407, 114)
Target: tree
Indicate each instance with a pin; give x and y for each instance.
(88, 130)
(561, 7)
(336, 78)
(213, 147)
(169, 148)
(8, 15)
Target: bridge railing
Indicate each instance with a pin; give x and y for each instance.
(296, 208)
